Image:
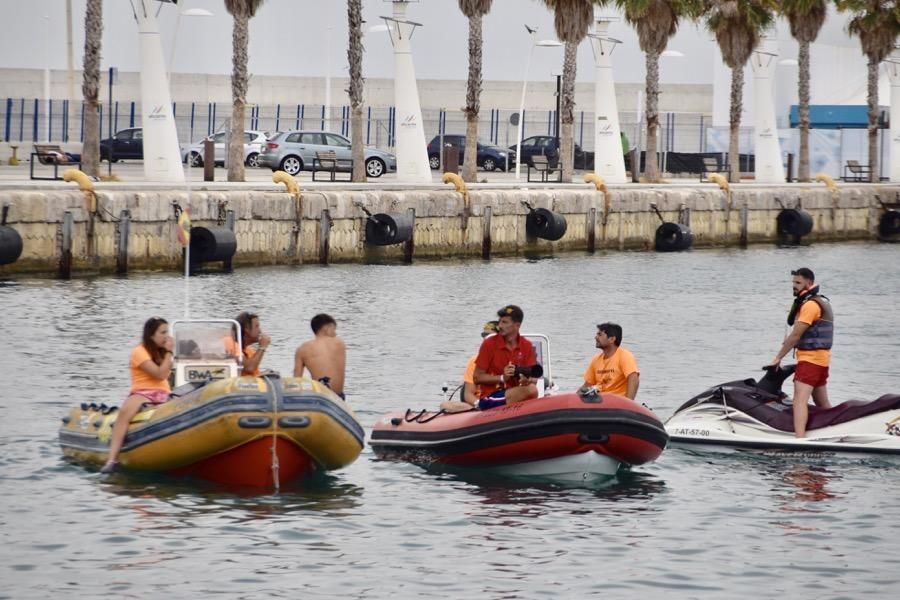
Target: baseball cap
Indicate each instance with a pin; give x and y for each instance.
(489, 328)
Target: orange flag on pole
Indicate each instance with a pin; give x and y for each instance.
(184, 227)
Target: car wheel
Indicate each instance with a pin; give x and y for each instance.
(374, 167)
(489, 164)
(434, 161)
(291, 165)
(196, 159)
(253, 160)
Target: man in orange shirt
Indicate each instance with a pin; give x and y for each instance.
(613, 370)
(812, 335)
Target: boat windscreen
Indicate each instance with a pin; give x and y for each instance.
(195, 341)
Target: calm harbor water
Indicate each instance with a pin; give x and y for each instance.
(687, 526)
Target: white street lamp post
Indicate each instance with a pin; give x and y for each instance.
(412, 156)
(609, 161)
(162, 158)
(768, 165)
(519, 127)
(892, 62)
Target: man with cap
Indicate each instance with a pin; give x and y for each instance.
(812, 334)
(498, 358)
(613, 370)
(470, 391)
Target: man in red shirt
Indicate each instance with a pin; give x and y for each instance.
(498, 357)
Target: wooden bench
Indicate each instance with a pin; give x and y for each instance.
(328, 162)
(540, 165)
(51, 155)
(853, 171)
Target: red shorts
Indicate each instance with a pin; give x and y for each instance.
(811, 374)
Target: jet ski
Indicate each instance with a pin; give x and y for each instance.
(750, 414)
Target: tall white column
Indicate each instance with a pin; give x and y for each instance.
(769, 168)
(609, 163)
(162, 160)
(892, 64)
(412, 156)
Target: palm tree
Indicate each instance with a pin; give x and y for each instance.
(475, 11)
(571, 19)
(90, 87)
(656, 21)
(354, 57)
(806, 18)
(877, 24)
(242, 11)
(738, 26)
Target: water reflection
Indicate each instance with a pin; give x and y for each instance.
(328, 495)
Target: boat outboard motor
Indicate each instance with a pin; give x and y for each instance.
(774, 378)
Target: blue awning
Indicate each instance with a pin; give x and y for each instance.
(838, 116)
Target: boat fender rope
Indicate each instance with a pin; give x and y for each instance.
(420, 416)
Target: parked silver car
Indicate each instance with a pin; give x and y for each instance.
(254, 142)
(294, 151)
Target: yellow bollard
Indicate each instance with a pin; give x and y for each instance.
(289, 182)
(460, 185)
(84, 184)
(719, 179)
(597, 181)
(827, 180)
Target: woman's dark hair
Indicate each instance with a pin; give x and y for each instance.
(245, 320)
(157, 353)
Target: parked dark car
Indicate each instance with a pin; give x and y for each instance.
(128, 143)
(490, 157)
(548, 146)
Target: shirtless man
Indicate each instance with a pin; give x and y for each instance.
(323, 356)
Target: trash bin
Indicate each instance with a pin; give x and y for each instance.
(451, 159)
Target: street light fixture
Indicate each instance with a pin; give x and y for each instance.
(535, 43)
(188, 12)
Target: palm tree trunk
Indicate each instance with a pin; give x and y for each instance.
(355, 58)
(737, 91)
(652, 84)
(240, 40)
(803, 111)
(473, 100)
(90, 87)
(873, 120)
(567, 108)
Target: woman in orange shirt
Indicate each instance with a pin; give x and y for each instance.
(150, 364)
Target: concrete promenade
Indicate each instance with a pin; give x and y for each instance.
(131, 224)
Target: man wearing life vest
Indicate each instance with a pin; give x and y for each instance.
(812, 334)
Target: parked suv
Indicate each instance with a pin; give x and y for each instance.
(490, 157)
(294, 151)
(128, 143)
(254, 142)
(548, 146)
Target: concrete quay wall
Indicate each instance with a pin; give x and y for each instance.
(328, 225)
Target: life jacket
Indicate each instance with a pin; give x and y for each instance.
(819, 335)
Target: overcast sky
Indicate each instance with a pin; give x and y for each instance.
(292, 38)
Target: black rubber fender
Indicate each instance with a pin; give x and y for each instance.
(545, 224)
(673, 237)
(889, 225)
(10, 245)
(211, 244)
(794, 222)
(384, 229)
